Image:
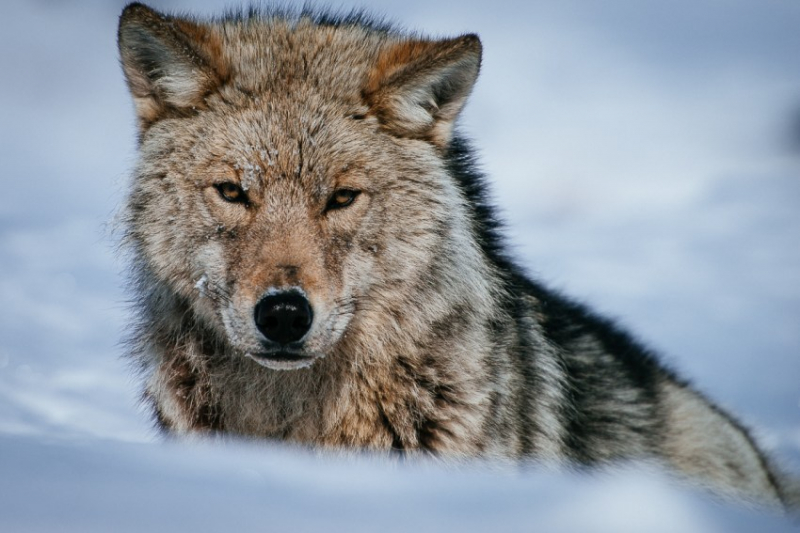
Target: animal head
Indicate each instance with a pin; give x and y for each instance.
(291, 179)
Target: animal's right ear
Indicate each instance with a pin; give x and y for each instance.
(170, 64)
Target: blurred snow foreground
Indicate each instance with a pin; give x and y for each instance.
(105, 485)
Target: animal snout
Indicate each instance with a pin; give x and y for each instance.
(284, 317)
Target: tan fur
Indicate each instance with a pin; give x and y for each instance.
(423, 339)
(287, 245)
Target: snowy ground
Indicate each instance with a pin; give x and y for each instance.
(647, 159)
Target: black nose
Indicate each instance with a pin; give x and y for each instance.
(284, 317)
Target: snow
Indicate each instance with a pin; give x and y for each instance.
(101, 485)
(202, 285)
(645, 155)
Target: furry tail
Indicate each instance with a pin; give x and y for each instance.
(790, 493)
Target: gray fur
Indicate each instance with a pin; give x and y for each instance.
(426, 337)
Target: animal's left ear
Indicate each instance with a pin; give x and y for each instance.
(417, 88)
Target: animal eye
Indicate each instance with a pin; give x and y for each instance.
(341, 198)
(231, 192)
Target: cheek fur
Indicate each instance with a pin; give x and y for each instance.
(209, 274)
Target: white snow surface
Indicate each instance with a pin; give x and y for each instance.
(646, 158)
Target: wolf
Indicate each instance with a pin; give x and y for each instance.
(315, 259)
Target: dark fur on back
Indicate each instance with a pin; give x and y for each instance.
(566, 321)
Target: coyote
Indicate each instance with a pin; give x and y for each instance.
(314, 259)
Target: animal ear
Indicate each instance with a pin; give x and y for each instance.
(418, 88)
(170, 64)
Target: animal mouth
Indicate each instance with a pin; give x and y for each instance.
(283, 359)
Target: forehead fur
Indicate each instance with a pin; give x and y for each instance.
(265, 51)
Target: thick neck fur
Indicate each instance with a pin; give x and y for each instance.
(396, 380)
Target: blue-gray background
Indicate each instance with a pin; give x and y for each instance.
(646, 156)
